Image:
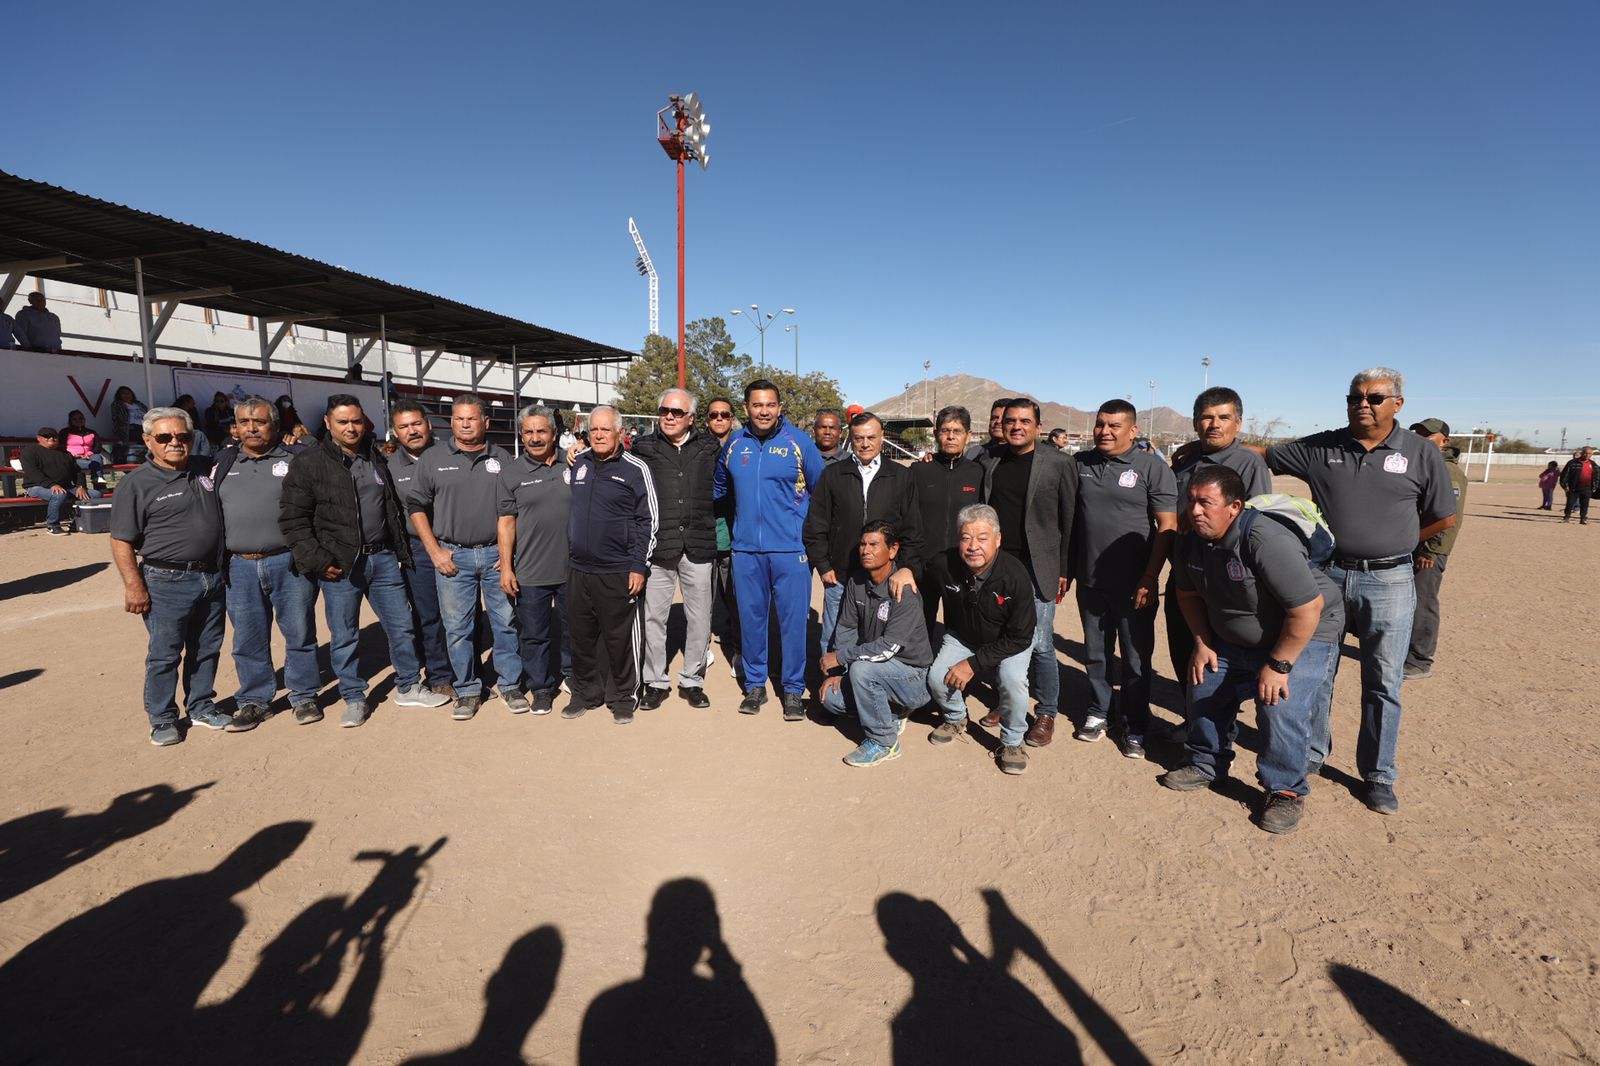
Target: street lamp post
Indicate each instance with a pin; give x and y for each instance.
(1205, 369)
(796, 330)
(761, 325)
(1151, 432)
(683, 138)
(926, 364)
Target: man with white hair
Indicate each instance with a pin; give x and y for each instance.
(166, 539)
(682, 462)
(1383, 490)
(610, 538)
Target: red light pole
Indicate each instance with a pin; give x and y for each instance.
(682, 138)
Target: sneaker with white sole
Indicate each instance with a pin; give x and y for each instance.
(1091, 730)
(466, 708)
(355, 713)
(417, 696)
(211, 718)
(871, 753)
(516, 702)
(166, 734)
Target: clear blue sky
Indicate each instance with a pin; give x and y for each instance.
(1069, 198)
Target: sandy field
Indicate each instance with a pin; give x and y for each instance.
(703, 886)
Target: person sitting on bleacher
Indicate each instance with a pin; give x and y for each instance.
(36, 327)
(51, 475)
(8, 328)
(83, 444)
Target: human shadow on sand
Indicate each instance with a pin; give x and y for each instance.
(675, 1013)
(39, 846)
(966, 1007)
(514, 999)
(49, 580)
(1418, 1035)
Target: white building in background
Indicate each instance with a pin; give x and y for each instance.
(106, 322)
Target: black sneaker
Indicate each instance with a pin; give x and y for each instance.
(1381, 798)
(652, 698)
(1185, 779)
(695, 697)
(622, 713)
(753, 699)
(166, 734)
(794, 707)
(1131, 745)
(1281, 813)
(307, 713)
(575, 708)
(543, 702)
(247, 718)
(1091, 730)
(466, 708)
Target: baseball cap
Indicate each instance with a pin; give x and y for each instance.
(46, 431)
(1429, 426)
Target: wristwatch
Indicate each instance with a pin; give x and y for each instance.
(1282, 666)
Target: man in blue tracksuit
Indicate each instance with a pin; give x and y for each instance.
(769, 468)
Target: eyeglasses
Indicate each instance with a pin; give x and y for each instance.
(168, 438)
(720, 416)
(1374, 399)
(672, 412)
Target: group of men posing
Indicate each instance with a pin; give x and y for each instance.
(574, 560)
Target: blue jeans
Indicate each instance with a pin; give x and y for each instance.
(873, 690)
(258, 589)
(377, 578)
(1011, 679)
(458, 608)
(422, 584)
(541, 612)
(56, 504)
(1044, 678)
(832, 597)
(1379, 606)
(185, 624)
(762, 580)
(1213, 713)
(1109, 621)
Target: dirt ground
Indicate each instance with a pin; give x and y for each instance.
(702, 886)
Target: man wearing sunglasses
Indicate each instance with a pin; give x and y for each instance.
(166, 539)
(1383, 490)
(721, 424)
(681, 461)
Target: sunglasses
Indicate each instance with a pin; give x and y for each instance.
(1374, 399)
(673, 412)
(168, 438)
(720, 416)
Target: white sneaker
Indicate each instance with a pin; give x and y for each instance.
(417, 696)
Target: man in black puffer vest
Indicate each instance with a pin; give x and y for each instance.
(681, 460)
(341, 517)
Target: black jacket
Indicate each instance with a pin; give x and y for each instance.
(45, 467)
(1048, 514)
(320, 516)
(996, 621)
(682, 476)
(944, 486)
(832, 530)
(1573, 470)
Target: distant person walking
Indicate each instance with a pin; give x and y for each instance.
(1578, 480)
(1548, 480)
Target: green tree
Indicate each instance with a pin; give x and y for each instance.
(803, 396)
(712, 367)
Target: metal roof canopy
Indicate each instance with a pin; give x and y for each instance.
(60, 235)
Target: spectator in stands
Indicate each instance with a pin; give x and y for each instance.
(721, 423)
(454, 506)
(535, 508)
(880, 656)
(1579, 480)
(219, 420)
(51, 475)
(37, 327)
(413, 437)
(1548, 479)
(681, 460)
(83, 444)
(166, 513)
(261, 577)
(8, 329)
(768, 468)
(864, 488)
(342, 519)
(945, 485)
(610, 538)
(127, 413)
(828, 433)
(202, 443)
(989, 621)
(293, 429)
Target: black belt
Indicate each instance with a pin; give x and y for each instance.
(454, 544)
(1370, 564)
(373, 549)
(259, 555)
(197, 567)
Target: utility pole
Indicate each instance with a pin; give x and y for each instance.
(926, 365)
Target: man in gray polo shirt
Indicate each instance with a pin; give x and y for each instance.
(1266, 627)
(413, 431)
(1218, 416)
(1383, 490)
(166, 513)
(261, 577)
(1126, 519)
(454, 505)
(535, 504)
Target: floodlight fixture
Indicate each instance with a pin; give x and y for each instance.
(683, 136)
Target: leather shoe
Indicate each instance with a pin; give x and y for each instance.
(1042, 732)
(694, 697)
(990, 720)
(652, 698)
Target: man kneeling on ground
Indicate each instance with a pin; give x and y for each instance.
(1266, 625)
(989, 622)
(880, 655)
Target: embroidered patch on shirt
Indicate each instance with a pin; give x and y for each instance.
(492, 465)
(583, 472)
(883, 611)
(1129, 479)
(1396, 463)
(205, 482)
(1236, 569)
(280, 468)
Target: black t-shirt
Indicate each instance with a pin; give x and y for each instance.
(1008, 495)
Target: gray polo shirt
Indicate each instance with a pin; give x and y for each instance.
(1242, 461)
(1247, 587)
(459, 492)
(403, 472)
(169, 514)
(539, 496)
(249, 497)
(1118, 499)
(368, 480)
(1376, 502)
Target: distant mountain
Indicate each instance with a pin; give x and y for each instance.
(976, 394)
